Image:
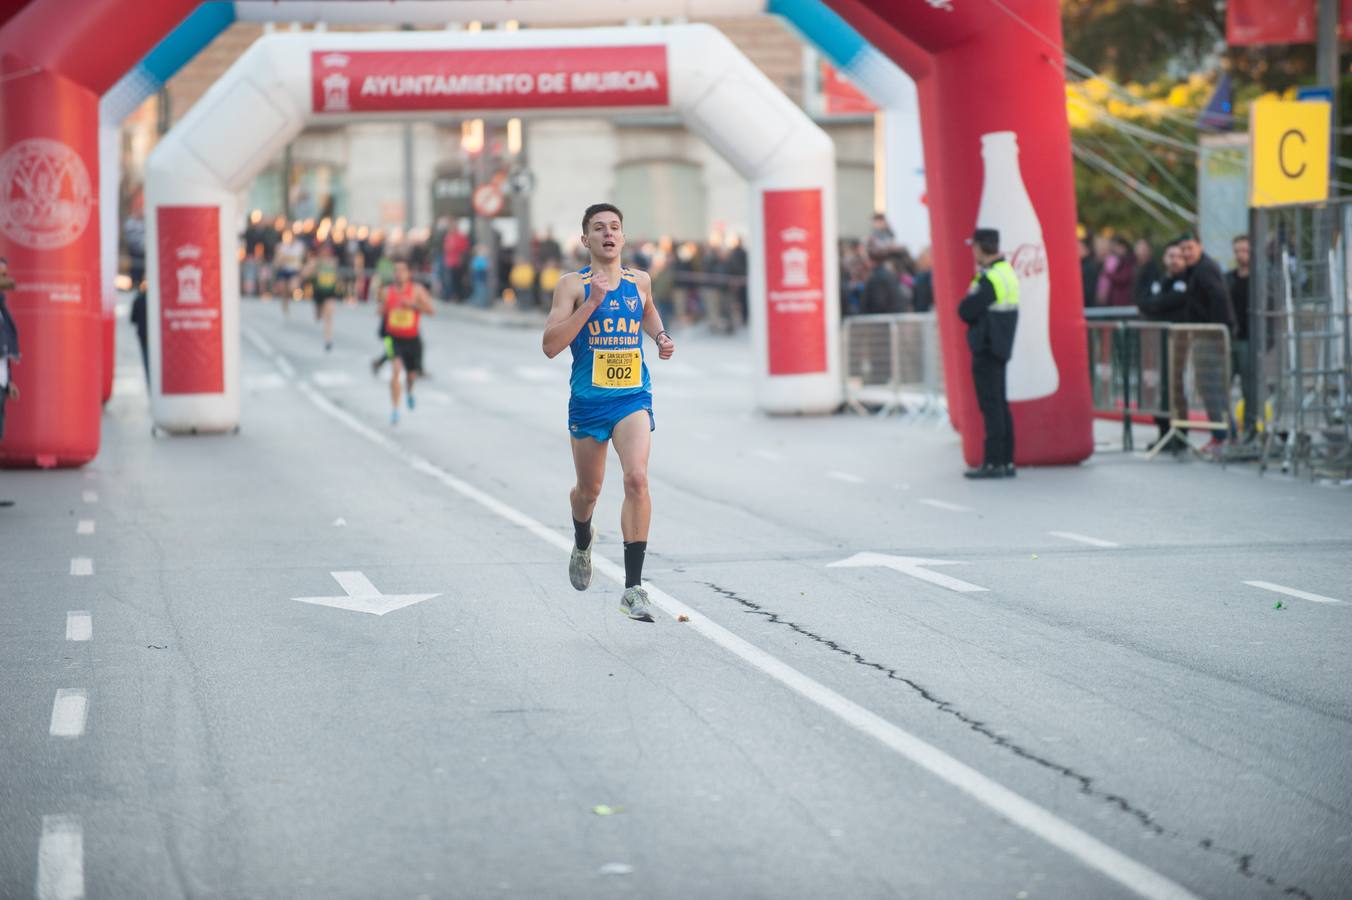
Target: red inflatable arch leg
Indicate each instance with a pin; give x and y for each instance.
(53, 67)
(992, 103)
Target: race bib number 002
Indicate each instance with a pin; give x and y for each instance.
(617, 368)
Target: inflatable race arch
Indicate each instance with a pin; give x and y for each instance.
(286, 81)
(996, 150)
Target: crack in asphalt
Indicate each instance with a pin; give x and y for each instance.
(1243, 861)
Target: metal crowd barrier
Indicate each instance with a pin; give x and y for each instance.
(892, 364)
(1157, 370)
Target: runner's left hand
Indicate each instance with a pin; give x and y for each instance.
(665, 347)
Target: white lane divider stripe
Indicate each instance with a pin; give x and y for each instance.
(944, 504)
(81, 565)
(84, 526)
(845, 477)
(61, 859)
(90, 496)
(1061, 834)
(1291, 592)
(69, 711)
(1083, 539)
(79, 625)
(768, 455)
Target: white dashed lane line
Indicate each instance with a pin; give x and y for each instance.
(90, 496)
(84, 526)
(82, 565)
(1083, 539)
(79, 625)
(61, 859)
(845, 477)
(69, 712)
(767, 455)
(944, 504)
(1291, 592)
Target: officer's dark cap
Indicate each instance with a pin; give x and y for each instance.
(987, 239)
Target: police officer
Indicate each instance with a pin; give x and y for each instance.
(991, 311)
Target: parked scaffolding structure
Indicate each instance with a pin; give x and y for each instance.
(1299, 351)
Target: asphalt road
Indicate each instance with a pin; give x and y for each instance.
(1079, 696)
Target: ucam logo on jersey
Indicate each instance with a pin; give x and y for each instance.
(45, 194)
(519, 78)
(191, 340)
(794, 282)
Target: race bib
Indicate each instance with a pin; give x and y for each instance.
(617, 368)
(401, 318)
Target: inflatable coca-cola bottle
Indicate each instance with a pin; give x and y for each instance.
(1005, 206)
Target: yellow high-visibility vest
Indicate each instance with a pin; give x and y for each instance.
(1006, 283)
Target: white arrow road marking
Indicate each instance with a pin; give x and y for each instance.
(362, 596)
(61, 859)
(1291, 592)
(910, 565)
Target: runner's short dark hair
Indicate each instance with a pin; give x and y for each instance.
(598, 208)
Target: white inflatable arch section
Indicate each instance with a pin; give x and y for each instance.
(270, 94)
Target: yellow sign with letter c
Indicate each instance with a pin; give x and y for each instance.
(1290, 152)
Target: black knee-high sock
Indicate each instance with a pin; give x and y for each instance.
(633, 562)
(582, 534)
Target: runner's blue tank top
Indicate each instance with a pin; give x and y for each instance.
(608, 351)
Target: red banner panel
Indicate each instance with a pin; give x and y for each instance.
(191, 342)
(348, 81)
(795, 293)
(1254, 23)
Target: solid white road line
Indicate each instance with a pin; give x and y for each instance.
(284, 365)
(1083, 539)
(1291, 592)
(79, 626)
(90, 496)
(69, 711)
(1087, 849)
(82, 565)
(944, 504)
(84, 526)
(845, 476)
(61, 859)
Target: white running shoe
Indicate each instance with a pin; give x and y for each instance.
(579, 564)
(635, 604)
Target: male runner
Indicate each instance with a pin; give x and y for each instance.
(405, 302)
(321, 275)
(600, 313)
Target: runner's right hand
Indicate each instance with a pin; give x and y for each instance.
(599, 288)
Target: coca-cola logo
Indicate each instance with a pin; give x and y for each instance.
(1029, 260)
